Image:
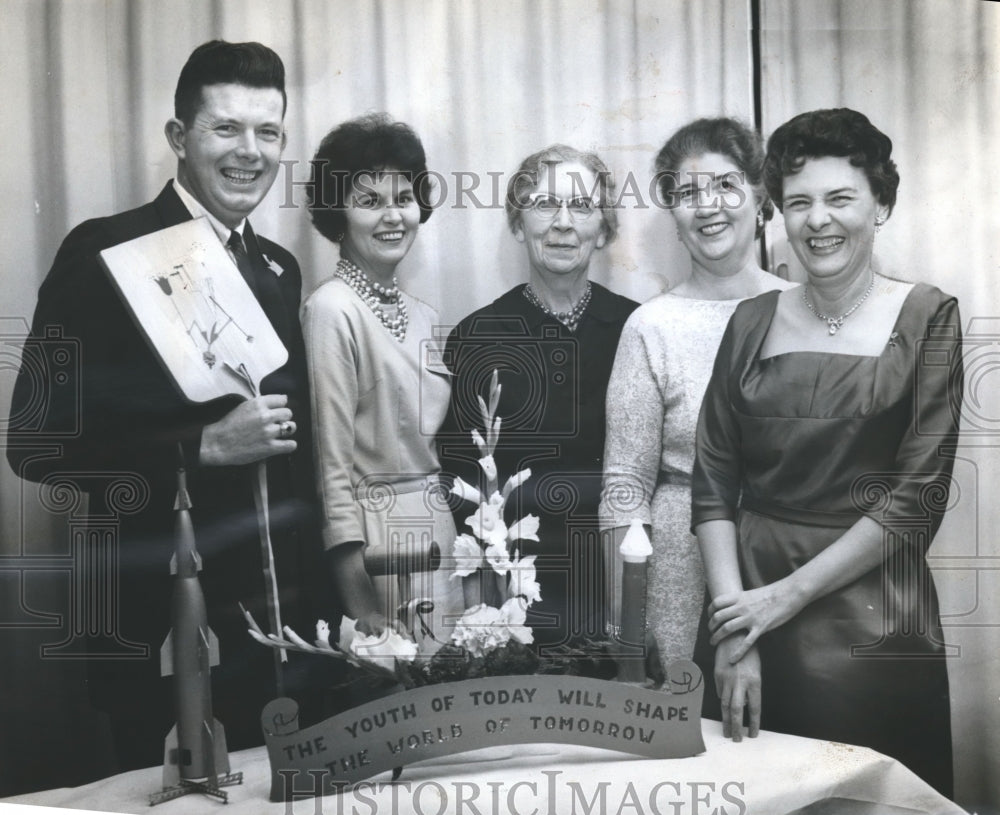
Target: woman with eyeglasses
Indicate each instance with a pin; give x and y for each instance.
(709, 174)
(552, 340)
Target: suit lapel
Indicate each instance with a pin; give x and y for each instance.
(268, 287)
(170, 208)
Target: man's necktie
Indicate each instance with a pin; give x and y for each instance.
(262, 282)
(239, 250)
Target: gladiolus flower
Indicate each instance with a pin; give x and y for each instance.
(466, 491)
(487, 524)
(480, 442)
(380, 647)
(323, 635)
(513, 613)
(489, 467)
(497, 557)
(526, 529)
(523, 579)
(468, 555)
(515, 481)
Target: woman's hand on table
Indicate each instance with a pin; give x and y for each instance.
(737, 681)
(755, 611)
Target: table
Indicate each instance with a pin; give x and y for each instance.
(769, 775)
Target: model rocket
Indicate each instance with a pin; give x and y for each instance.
(196, 746)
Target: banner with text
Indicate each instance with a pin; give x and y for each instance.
(449, 718)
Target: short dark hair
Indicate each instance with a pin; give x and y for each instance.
(839, 132)
(219, 62)
(369, 144)
(725, 136)
(527, 177)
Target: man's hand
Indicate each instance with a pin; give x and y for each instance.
(250, 432)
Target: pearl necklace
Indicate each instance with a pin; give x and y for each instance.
(373, 296)
(834, 323)
(571, 318)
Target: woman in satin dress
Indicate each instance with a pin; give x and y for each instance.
(822, 471)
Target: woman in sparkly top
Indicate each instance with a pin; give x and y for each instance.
(553, 340)
(379, 392)
(822, 470)
(710, 176)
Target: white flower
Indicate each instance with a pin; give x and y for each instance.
(481, 629)
(480, 442)
(498, 558)
(384, 646)
(323, 635)
(515, 481)
(488, 524)
(347, 634)
(513, 613)
(489, 467)
(466, 491)
(468, 555)
(523, 580)
(525, 529)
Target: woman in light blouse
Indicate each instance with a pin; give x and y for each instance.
(710, 174)
(379, 391)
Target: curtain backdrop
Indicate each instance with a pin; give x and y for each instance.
(88, 85)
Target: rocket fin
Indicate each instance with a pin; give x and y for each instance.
(208, 752)
(167, 655)
(171, 768)
(221, 753)
(213, 648)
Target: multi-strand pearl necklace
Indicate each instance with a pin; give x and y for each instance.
(834, 323)
(375, 296)
(571, 318)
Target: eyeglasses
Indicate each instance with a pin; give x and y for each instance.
(547, 206)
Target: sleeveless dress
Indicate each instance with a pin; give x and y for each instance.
(794, 449)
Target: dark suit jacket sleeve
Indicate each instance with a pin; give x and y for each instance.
(108, 405)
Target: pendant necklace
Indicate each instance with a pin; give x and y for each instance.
(834, 323)
(571, 318)
(375, 296)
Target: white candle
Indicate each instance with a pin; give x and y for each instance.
(635, 551)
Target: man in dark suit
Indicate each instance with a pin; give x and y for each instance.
(228, 135)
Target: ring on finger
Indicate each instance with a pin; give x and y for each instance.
(286, 429)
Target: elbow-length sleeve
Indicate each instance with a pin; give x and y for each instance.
(918, 485)
(332, 356)
(717, 473)
(634, 439)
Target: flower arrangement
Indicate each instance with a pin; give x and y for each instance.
(499, 584)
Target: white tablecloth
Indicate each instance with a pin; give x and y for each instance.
(770, 775)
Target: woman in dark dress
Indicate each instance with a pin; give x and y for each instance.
(821, 474)
(553, 341)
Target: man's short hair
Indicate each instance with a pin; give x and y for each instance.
(219, 62)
